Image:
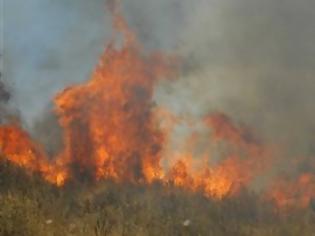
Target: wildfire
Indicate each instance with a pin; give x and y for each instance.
(17, 146)
(293, 193)
(228, 176)
(110, 131)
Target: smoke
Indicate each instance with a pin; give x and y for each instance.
(50, 44)
(4, 93)
(4, 98)
(47, 131)
(253, 60)
(7, 111)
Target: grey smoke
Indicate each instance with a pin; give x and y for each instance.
(251, 59)
(4, 99)
(48, 45)
(255, 61)
(7, 112)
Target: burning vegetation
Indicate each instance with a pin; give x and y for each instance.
(111, 130)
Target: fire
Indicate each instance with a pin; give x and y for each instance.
(17, 146)
(212, 183)
(109, 128)
(293, 193)
(108, 123)
(112, 130)
(241, 165)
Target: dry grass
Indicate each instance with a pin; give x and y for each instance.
(29, 206)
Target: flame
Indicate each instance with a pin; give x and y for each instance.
(109, 129)
(112, 130)
(290, 193)
(108, 123)
(17, 146)
(238, 169)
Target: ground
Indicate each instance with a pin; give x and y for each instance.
(30, 206)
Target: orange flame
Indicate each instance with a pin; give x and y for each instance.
(293, 193)
(17, 147)
(238, 169)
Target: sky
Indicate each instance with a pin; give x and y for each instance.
(251, 59)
